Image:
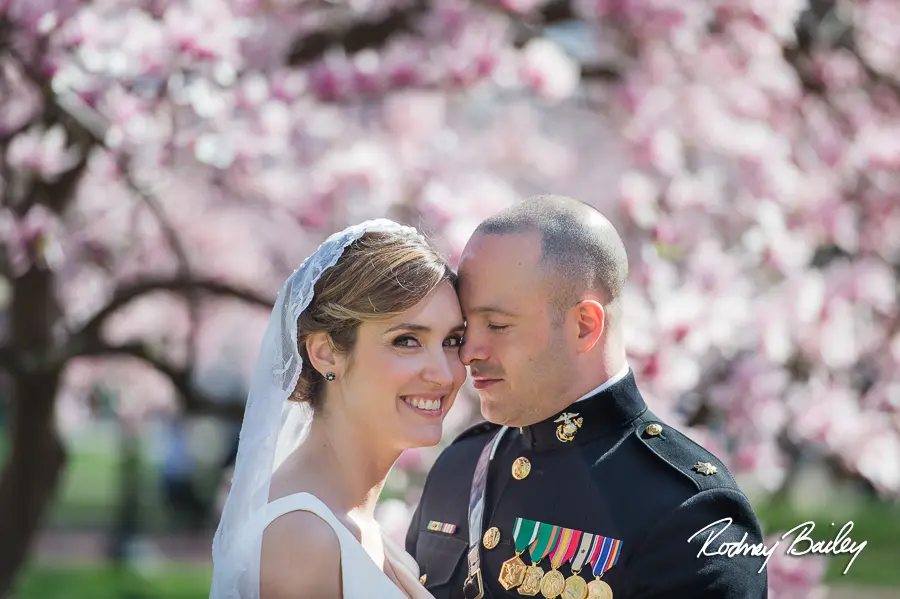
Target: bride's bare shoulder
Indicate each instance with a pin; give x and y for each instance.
(301, 558)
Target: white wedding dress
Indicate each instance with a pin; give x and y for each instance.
(361, 577)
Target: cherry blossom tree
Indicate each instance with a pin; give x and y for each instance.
(164, 164)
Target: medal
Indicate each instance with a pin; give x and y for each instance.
(604, 556)
(512, 573)
(546, 540)
(531, 582)
(554, 582)
(576, 587)
(597, 589)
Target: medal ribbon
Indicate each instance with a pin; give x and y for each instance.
(546, 540)
(584, 549)
(606, 555)
(524, 533)
(596, 548)
(565, 547)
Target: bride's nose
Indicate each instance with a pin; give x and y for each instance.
(438, 370)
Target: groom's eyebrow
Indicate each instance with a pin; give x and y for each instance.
(490, 310)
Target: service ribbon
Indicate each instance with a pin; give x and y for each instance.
(524, 533)
(607, 554)
(596, 548)
(546, 540)
(584, 550)
(565, 548)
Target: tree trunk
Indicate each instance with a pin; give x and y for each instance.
(36, 458)
(30, 476)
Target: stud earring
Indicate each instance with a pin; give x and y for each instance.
(330, 376)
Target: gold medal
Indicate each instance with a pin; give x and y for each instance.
(597, 589)
(531, 583)
(552, 584)
(512, 573)
(575, 588)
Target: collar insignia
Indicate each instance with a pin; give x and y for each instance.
(705, 468)
(565, 432)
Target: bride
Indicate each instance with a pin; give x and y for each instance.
(358, 363)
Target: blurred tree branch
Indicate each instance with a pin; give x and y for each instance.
(822, 27)
(352, 37)
(178, 284)
(356, 36)
(192, 399)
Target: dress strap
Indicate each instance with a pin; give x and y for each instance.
(308, 503)
(361, 576)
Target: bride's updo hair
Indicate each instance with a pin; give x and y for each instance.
(378, 276)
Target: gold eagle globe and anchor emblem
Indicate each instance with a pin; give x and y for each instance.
(565, 432)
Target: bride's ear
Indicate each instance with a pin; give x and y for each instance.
(322, 353)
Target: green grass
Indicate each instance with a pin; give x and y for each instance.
(87, 497)
(876, 523)
(88, 492)
(98, 582)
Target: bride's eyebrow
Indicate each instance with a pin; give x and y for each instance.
(408, 326)
(421, 328)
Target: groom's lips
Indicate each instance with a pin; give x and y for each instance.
(484, 383)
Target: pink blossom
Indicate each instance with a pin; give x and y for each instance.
(639, 198)
(33, 240)
(46, 153)
(548, 70)
(521, 6)
(794, 577)
(394, 517)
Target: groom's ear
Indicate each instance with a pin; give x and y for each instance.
(591, 321)
(322, 353)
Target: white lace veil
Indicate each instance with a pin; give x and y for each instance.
(273, 426)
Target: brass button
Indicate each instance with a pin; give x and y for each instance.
(521, 468)
(654, 429)
(423, 578)
(491, 537)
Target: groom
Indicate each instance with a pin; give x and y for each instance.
(573, 488)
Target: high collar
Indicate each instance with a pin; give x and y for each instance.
(600, 414)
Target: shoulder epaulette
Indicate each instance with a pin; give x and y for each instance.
(683, 454)
(475, 430)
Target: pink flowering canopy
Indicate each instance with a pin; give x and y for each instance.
(748, 150)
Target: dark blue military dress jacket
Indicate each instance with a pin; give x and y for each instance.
(622, 476)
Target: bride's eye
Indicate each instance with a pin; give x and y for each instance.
(403, 341)
(454, 341)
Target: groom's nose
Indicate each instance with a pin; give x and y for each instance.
(472, 350)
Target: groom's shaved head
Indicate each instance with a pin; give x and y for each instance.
(580, 249)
